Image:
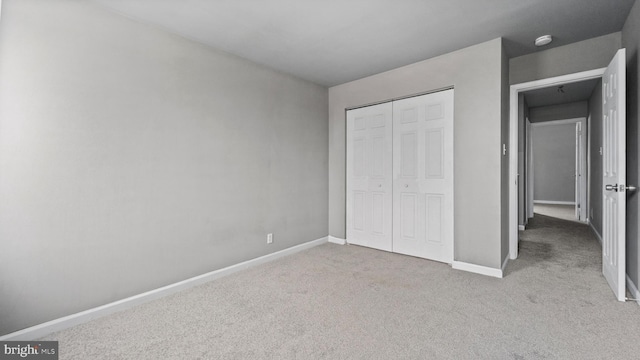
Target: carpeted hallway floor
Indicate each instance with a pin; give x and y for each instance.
(348, 302)
(565, 212)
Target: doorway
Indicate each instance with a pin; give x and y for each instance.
(612, 109)
(518, 106)
(556, 162)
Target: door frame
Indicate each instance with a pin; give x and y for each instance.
(513, 141)
(529, 172)
(581, 186)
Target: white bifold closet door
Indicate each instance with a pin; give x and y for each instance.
(400, 176)
(369, 176)
(423, 176)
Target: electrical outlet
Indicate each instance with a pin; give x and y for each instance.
(269, 238)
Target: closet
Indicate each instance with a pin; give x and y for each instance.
(400, 176)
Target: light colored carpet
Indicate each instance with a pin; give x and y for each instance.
(348, 302)
(564, 212)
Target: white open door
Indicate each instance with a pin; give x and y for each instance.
(614, 174)
(369, 176)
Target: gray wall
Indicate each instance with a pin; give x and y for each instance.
(554, 157)
(578, 109)
(631, 41)
(580, 56)
(476, 74)
(595, 139)
(132, 159)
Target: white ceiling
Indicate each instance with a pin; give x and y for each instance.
(335, 41)
(577, 91)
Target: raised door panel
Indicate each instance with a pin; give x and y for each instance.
(358, 210)
(377, 169)
(409, 154)
(378, 209)
(358, 160)
(434, 218)
(434, 157)
(408, 215)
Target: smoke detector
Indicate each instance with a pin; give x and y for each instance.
(543, 40)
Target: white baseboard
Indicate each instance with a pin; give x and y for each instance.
(335, 240)
(66, 322)
(478, 269)
(521, 227)
(552, 202)
(595, 232)
(633, 290)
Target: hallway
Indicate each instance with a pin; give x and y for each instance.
(564, 212)
(553, 242)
